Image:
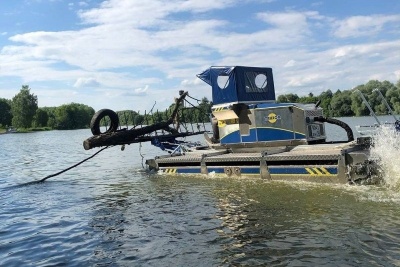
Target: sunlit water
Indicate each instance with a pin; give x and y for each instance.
(110, 212)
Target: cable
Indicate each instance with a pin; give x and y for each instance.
(191, 104)
(73, 166)
(345, 126)
(194, 98)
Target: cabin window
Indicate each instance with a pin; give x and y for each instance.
(256, 82)
(223, 81)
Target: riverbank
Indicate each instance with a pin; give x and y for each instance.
(26, 130)
(38, 129)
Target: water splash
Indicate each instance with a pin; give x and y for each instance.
(386, 151)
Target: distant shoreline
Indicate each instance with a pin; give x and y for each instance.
(28, 130)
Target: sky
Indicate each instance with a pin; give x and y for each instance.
(133, 54)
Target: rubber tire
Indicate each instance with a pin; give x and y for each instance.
(98, 116)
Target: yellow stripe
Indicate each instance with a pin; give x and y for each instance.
(218, 109)
(321, 171)
(170, 171)
(310, 171)
(325, 171)
(318, 171)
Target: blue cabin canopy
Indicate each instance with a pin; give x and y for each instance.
(239, 84)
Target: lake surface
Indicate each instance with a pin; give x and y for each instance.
(110, 212)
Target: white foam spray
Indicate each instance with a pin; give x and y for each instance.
(386, 151)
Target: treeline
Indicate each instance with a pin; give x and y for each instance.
(349, 103)
(23, 112)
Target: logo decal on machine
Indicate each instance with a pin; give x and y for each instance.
(272, 118)
(221, 123)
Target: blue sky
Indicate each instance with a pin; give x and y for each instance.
(127, 54)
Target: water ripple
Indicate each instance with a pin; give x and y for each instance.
(109, 212)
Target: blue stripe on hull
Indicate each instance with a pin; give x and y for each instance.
(216, 169)
(311, 171)
(295, 171)
(272, 134)
(252, 137)
(261, 135)
(232, 138)
(250, 170)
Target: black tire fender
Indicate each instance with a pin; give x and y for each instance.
(98, 116)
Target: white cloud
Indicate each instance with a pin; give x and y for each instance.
(363, 25)
(146, 13)
(309, 80)
(141, 91)
(286, 19)
(141, 44)
(397, 74)
(86, 82)
(190, 82)
(290, 63)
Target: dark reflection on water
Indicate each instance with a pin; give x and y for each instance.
(156, 222)
(282, 225)
(109, 212)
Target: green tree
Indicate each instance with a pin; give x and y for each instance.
(157, 117)
(373, 98)
(5, 112)
(51, 116)
(393, 99)
(138, 119)
(73, 116)
(204, 110)
(41, 117)
(127, 117)
(341, 104)
(310, 99)
(288, 98)
(357, 105)
(326, 98)
(384, 87)
(23, 108)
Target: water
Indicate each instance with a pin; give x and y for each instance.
(109, 212)
(385, 151)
